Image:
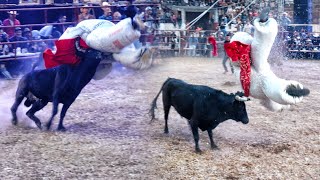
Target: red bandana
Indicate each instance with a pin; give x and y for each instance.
(241, 52)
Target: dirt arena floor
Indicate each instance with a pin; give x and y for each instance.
(110, 135)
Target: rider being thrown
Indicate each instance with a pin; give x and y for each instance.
(66, 52)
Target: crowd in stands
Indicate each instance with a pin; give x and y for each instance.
(22, 38)
(234, 15)
(302, 44)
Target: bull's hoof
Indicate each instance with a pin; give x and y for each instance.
(39, 125)
(166, 130)
(198, 151)
(215, 147)
(14, 121)
(48, 125)
(61, 128)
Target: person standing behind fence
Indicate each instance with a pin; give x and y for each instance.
(107, 13)
(85, 13)
(173, 42)
(213, 43)
(11, 21)
(193, 42)
(202, 43)
(248, 28)
(226, 57)
(21, 47)
(285, 21)
(58, 29)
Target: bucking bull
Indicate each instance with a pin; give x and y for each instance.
(71, 67)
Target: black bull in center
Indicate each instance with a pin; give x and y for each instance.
(204, 107)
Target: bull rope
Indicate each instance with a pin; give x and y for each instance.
(191, 23)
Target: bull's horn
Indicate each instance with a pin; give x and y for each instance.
(244, 98)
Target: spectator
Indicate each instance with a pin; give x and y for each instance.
(223, 28)
(31, 46)
(39, 46)
(128, 10)
(183, 45)
(116, 3)
(213, 45)
(285, 21)
(26, 33)
(85, 13)
(107, 13)
(59, 29)
(226, 57)
(4, 48)
(173, 42)
(11, 21)
(149, 22)
(202, 43)
(192, 42)
(116, 17)
(248, 28)
(174, 19)
(18, 37)
(147, 15)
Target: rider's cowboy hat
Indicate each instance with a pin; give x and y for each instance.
(13, 12)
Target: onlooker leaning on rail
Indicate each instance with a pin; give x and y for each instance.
(192, 42)
(11, 21)
(107, 13)
(4, 48)
(285, 21)
(248, 28)
(18, 37)
(59, 29)
(31, 46)
(85, 13)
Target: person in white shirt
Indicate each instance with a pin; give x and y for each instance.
(248, 28)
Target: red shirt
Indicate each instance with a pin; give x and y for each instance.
(9, 22)
(213, 42)
(65, 54)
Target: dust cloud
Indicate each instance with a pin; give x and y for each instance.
(7, 95)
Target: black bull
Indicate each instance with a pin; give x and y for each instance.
(61, 84)
(204, 107)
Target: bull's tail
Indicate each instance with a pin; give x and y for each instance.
(154, 102)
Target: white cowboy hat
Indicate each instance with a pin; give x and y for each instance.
(315, 35)
(13, 12)
(105, 4)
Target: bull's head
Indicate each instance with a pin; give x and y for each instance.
(239, 108)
